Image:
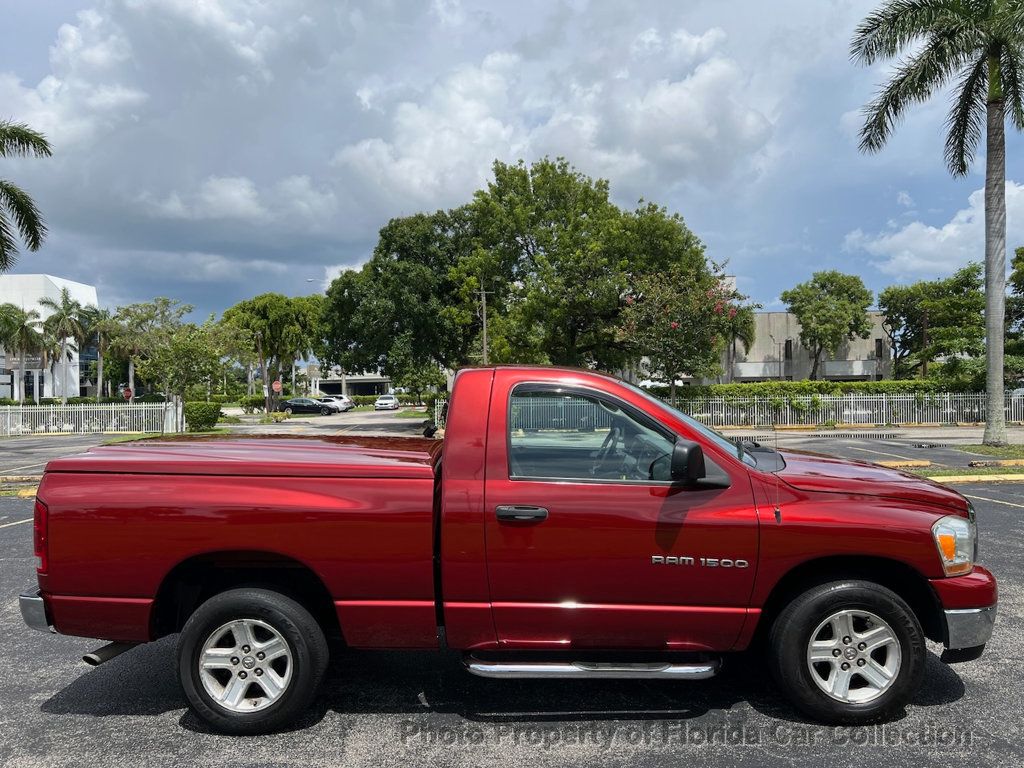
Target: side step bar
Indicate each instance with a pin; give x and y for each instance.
(583, 669)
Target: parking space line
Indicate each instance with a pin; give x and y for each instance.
(994, 501)
(16, 522)
(9, 470)
(880, 453)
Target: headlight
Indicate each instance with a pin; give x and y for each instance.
(955, 538)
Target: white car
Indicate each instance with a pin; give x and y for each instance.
(338, 403)
(386, 403)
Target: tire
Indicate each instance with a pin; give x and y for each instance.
(325, 411)
(265, 620)
(288, 411)
(880, 680)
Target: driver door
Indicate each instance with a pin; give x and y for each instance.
(607, 552)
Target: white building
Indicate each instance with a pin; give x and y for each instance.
(25, 291)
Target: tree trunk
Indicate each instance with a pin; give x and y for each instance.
(995, 271)
(21, 377)
(131, 377)
(99, 371)
(64, 376)
(814, 368)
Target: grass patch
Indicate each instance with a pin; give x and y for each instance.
(229, 420)
(995, 451)
(956, 471)
(130, 438)
(410, 413)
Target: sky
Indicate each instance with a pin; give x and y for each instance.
(210, 150)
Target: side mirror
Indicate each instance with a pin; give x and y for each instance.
(687, 462)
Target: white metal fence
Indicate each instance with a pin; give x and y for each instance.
(104, 417)
(819, 410)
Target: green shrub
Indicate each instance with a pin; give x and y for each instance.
(152, 397)
(49, 401)
(201, 416)
(252, 403)
(789, 389)
(81, 400)
(8, 401)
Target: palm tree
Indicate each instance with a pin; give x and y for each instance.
(99, 325)
(741, 329)
(22, 337)
(979, 46)
(65, 323)
(17, 211)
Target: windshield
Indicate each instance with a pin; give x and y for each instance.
(722, 442)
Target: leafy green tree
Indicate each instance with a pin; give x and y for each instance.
(66, 325)
(978, 46)
(934, 318)
(18, 212)
(679, 322)
(145, 328)
(21, 335)
(831, 308)
(185, 355)
(741, 329)
(410, 294)
(1015, 305)
(551, 253)
(281, 329)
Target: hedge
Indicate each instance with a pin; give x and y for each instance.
(787, 389)
(201, 416)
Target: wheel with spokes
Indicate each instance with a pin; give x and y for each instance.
(251, 660)
(848, 652)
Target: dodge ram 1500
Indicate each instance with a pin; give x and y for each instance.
(568, 525)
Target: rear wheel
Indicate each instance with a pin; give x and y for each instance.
(251, 660)
(848, 652)
(288, 410)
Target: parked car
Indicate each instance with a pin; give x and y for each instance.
(337, 403)
(577, 527)
(386, 403)
(304, 405)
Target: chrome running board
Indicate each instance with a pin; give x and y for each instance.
(585, 669)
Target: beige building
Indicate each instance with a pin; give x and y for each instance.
(778, 354)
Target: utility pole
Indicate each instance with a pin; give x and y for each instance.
(483, 317)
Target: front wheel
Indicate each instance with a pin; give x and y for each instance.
(251, 660)
(848, 652)
(325, 411)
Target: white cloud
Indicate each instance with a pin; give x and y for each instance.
(219, 197)
(679, 118)
(919, 250)
(903, 198)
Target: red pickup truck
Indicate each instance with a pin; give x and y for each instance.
(569, 525)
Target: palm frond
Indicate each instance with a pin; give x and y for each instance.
(966, 122)
(1011, 67)
(24, 213)
(8, 245)
(890, 28)
(947, 50)
(17, 139)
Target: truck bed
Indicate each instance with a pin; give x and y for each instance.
(298, 456)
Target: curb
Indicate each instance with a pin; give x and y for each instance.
(996, 463)
(1005, 478)
(904, 463)
(19, 478)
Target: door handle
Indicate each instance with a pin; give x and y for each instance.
(521, 513)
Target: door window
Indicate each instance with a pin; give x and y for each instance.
(578, 436)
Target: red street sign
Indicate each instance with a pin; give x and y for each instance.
(127, 394)
(276, 386)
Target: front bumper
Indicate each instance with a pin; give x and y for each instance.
(33, 610)
(969, 627)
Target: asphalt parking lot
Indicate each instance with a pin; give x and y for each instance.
(383, 709)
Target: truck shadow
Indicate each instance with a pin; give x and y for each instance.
(418, 684)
